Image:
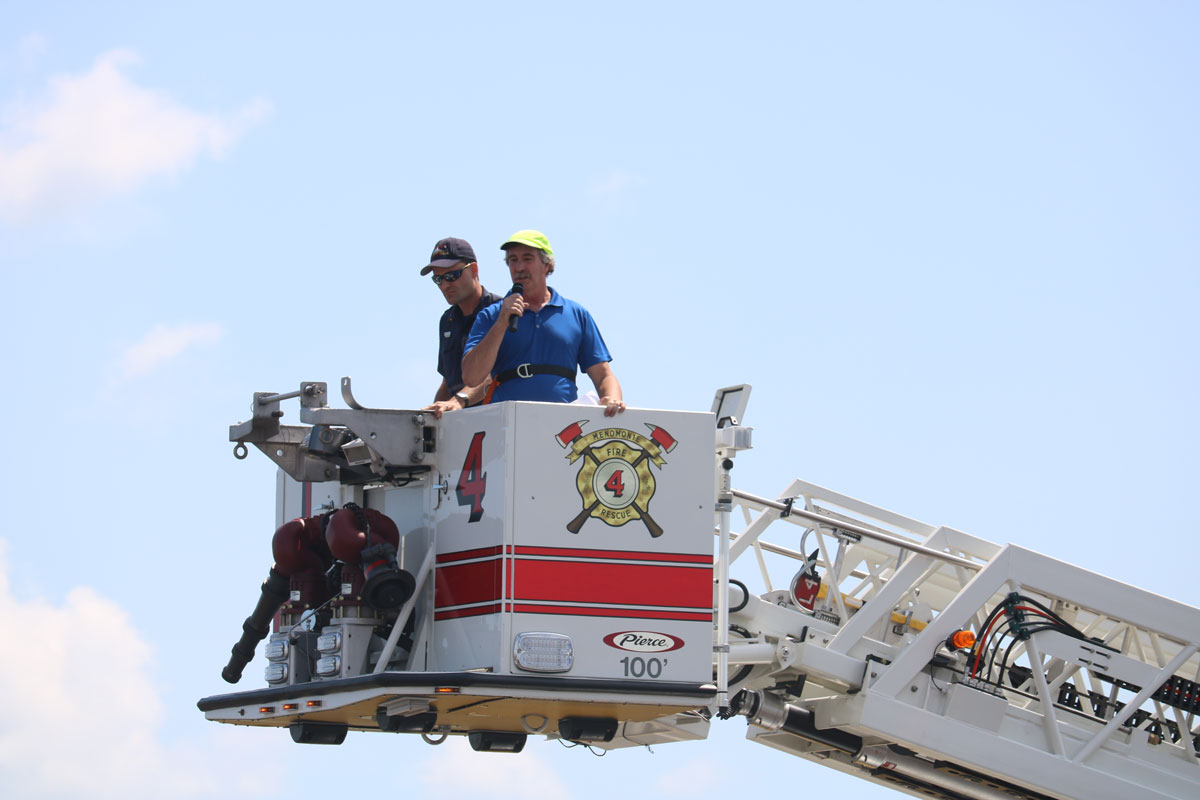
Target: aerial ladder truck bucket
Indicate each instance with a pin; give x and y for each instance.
(540, 569)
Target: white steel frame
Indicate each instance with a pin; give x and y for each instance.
(1029, 738)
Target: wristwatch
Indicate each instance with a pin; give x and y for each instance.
(462, 398)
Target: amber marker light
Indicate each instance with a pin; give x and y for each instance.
(290, 706)
(446, 690)
(266, 709)
(313, 704)
(961, 640)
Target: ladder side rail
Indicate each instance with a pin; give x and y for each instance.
(890, 533)
(958, 541)
(1011, 754)
(773, 510)
(885, 542)
(820, 519)
(1137, 607)
(918, 529)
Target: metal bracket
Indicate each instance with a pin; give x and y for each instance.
(265, 413)
(348, 395)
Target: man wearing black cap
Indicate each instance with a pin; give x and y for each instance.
(456, 273)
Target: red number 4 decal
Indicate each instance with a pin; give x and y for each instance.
(473, 481)
(614, 484)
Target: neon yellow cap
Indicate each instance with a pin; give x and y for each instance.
(535, 239)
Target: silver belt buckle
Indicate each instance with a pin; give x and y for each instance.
(525, 370)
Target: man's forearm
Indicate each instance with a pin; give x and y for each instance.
(478, 362)
(610, 387)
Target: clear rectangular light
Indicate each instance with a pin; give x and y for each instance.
(329, 665)
(543, 652)
(276, 672)
(329, 642)
(277, 650)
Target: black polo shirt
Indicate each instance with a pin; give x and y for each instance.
(452, 335)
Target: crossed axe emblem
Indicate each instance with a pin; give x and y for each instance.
(659, 441)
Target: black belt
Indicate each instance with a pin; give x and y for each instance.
(529, 370)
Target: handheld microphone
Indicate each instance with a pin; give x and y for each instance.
(512, 320)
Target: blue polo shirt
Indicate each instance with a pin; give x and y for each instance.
(562, 332)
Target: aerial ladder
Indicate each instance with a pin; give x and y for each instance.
(540, 569)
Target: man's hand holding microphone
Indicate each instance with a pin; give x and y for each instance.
(514, 306)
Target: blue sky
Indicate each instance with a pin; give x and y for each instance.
(953, 247)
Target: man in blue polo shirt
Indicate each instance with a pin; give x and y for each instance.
(456, 274)
(553, 336)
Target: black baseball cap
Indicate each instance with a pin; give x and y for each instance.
(447, 253)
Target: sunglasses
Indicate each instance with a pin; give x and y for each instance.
(449, 277)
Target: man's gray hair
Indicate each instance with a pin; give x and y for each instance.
(548, 260)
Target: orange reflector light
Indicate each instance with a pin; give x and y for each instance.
(290, 706)
(446, 690)
(313, 704)
(961, 640)
(266, 709)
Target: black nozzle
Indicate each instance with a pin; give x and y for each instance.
(387, 586)
(257, 625)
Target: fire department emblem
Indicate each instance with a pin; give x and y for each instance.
(615, 481)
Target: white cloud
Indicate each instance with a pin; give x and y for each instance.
(81, 715)
(99, 134)
(162, 344)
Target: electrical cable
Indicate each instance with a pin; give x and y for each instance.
(1003, 631)
(981, 643)
(989, 643)
(1003, 622)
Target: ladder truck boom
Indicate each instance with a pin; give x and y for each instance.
(539, 569)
